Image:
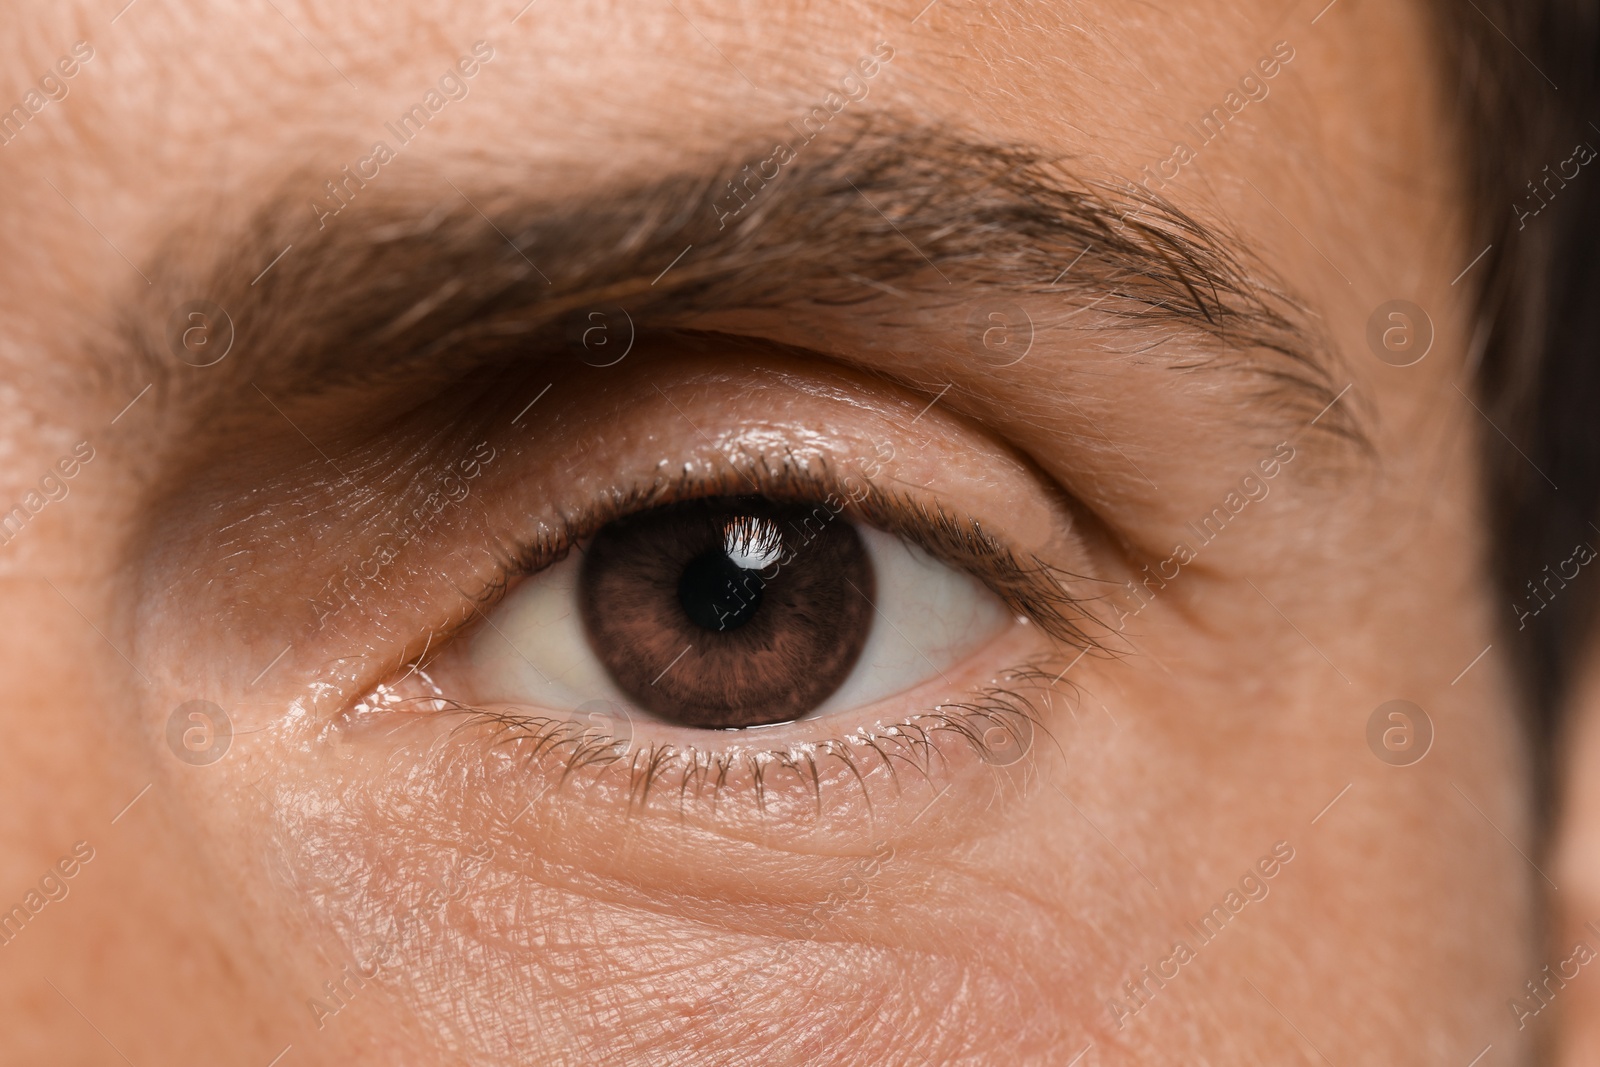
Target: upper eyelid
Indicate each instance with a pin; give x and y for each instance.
(506, 541)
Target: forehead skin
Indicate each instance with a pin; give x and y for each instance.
(1337, 182)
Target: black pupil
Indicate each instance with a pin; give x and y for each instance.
(717, 593)
(729, 611)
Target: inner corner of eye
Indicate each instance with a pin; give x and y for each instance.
(727, 613)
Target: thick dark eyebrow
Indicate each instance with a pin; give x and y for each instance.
(419, 276)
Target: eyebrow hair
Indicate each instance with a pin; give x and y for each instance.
(418, 276)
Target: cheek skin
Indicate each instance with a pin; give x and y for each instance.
(1575, 1012)
(451, 902)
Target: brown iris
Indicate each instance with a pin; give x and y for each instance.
(730, 612)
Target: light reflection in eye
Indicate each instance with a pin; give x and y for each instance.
(752, 542)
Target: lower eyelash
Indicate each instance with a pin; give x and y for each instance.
(703, 776)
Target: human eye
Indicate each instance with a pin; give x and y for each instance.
(782, 621)
(688, 641)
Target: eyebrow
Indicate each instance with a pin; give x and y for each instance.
(418, 276)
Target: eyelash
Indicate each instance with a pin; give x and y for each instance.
(907, 744)
(1035, 590)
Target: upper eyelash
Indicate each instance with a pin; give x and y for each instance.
(1035, 589)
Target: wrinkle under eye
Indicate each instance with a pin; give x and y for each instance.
(728, 613)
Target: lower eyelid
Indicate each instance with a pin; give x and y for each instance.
(795, 780)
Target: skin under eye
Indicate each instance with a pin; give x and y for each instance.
(727, 613)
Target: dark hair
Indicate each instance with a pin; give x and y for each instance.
(1524, 74)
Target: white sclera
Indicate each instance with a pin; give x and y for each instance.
(928, 617)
